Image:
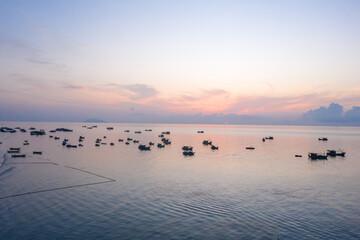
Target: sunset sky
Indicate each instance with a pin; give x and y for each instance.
(263, 58)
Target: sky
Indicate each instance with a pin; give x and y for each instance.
(178, 60)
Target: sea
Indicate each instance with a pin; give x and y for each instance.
(120, 192)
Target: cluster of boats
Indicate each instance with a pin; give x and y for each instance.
(267, 138)
(329, 153)
(208, 142)
(187, 150)
(11, 130)
(324, 156)
(40, 132)
(15, 152)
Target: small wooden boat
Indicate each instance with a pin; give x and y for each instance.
(12, 148)
(214, 147)
(250, 148)
(37, 152)
(200, 131)
(166, 141)
(71, 146)
(334, 153)
(112, 144)
(323, 139)
(18, 155)
(207, 142)
(340, 154)
(159, 145)
(144, 148)
(188, 153)
(317, 156)
(187, 148)
(13, 151)
(298, 156)
(63, 130)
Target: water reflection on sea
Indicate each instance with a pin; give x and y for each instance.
(227, 193)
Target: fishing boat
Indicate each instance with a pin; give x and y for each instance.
(250, 148)
(214, 147)
(207, 142)
(18, 155)
(317, 156)
(188, 153)
(159, 145)
(144, 148)
(166, 141)
(38, 133)
(334, 153)
(323, 139)
(63, 130)
(13, 151)
(187, 148)
(71, 146)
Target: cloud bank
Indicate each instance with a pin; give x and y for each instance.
(334, 113)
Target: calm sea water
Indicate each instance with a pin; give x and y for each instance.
(120, 192)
